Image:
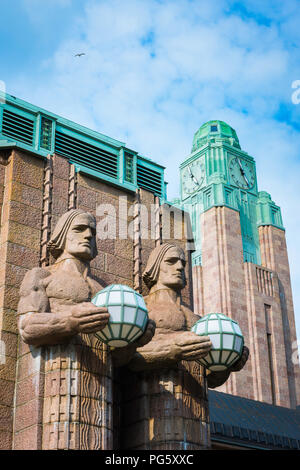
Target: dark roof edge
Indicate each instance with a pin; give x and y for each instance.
(237, 435)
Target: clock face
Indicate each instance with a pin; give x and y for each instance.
(241, 173)
(192, 177)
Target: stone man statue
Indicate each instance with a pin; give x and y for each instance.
(164, 389)
(173, 341)
(55, 302)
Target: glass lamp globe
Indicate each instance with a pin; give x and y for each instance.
(128, 315)
(226, 337)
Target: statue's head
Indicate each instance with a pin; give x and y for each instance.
(74, 234)
(165, 268)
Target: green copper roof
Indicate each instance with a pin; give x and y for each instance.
(213, 131)
(28, 127)
(219, 173)
(268, 213)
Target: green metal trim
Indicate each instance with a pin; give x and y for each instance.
(151, 185)
(95, 142)
(19, 145)
(148, 161)
(99, 176)
(110, 169)
(53, 128)
(121, 166)
(215, 195)
(21, 104)
(267, 211)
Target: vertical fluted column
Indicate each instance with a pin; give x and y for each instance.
(72, 188)
(78, 396)
(166, 409)
(47, 210)
(137, 276)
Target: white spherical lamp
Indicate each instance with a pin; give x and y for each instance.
(226, 337)
(128, 315)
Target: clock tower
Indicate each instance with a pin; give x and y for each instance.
(240, 262)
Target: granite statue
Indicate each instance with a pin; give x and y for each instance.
(173, 341)
(55, 301)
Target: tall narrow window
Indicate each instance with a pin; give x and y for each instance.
(129, 176)
(46, 133)
(270, 345)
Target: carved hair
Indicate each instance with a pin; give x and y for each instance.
(57, 241)
(150, 275)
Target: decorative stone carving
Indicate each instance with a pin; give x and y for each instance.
(55, 301)
(173, 341)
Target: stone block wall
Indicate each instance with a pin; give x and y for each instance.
(21, 216)
(55, 397)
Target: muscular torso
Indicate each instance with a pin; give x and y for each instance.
(48, 297)
(52, 288)
(63, 288)
(169, 315)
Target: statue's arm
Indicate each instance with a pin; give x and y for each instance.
(168, 348)
(38, 326)
(160, 352)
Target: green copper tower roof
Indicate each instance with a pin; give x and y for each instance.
(215, 131)
(219, 173)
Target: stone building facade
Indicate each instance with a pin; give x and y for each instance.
(72, 397)
(49, 397)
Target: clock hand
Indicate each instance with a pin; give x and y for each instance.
(246, 179)
(190, 172)
(243, 172)
(241, 166)
(192, 176)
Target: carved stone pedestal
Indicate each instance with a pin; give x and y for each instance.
(64, 397)
(165, 409)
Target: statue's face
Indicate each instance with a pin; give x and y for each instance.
(171, 271)
(81, 237)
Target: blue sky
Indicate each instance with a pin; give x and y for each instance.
(155, 70)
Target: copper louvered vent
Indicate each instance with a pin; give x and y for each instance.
(17, 127)
(86, 154)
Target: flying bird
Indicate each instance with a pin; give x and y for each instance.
(79, 55)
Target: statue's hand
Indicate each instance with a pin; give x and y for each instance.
(87, 318)
(189, 346)
(147, 335)
(241, 362)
